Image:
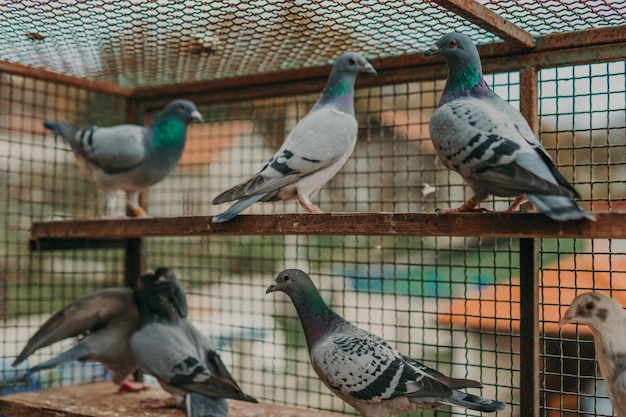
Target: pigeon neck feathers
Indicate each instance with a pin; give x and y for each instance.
(316, 316)
(160, 298)
(339, 92)
(465, 79)
(169, 132)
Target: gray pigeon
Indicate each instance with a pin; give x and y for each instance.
(171, 349)
(362, 369)
(130, 157)
(607, 321)
(104, 321)
(489, 143)
(314, 151)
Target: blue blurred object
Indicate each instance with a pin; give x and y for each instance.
(597, 401)
(12, 379)
(79, 372)
(413, 280)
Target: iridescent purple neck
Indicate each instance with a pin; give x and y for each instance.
(480, 89)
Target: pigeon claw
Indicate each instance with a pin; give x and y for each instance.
(129, 386)
(136, 211)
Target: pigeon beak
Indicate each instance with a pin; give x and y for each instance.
(271, 288)
(196, 116)
(433, 50)
(369, 68)
(566, 319)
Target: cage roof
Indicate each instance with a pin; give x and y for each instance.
(138, 43)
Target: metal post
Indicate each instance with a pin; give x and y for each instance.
(529, 329)
(530, 365)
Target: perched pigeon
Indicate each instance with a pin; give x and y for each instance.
(607, 321)
(168, 347)
(130, 157)
(313, 152)
(489, 143)
(362, 369)
(105, 320)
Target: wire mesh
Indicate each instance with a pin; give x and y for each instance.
(137, 43)
(451, 302)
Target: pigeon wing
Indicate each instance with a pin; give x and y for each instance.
(176, 360)
(484, 146)
(365, 367)
(322, 138)
(113, 149)
(84, 315)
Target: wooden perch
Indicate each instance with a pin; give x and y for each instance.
(101, 399)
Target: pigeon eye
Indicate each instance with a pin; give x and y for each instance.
(589, 305)
(182, 107)
(286, 278)
(452, 43)
(351, 61)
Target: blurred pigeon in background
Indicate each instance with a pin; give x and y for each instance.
(104, 322)
(607, 321)
(171, 349)
(362, 369)
(131, 157)
(314, 151)
(489, 143)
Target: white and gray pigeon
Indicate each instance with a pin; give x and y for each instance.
(365, 371)
(489, 143)
(104, 322)
(130, 157)
(172, 350)
(313, 152)
(607, 321)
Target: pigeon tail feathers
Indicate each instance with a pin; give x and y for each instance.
(234, 210)
(559, 208)
(77, 353)
(474, 402)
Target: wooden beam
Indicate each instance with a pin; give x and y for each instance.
(488, 20)
(488, 225)
(43, 74)
(102, 399)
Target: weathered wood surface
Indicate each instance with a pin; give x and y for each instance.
(102, 399)
(488, 225)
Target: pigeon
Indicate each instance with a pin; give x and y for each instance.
(172, 350)
(130, 157)
(314, 151)
(607, 321)
(489, 143)
(364, 370)
(104, 321)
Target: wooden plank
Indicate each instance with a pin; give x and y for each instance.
(488, 20)
(488, 225)
(87, 83)
(102, 399)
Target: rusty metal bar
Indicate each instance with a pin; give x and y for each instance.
(491, 225)
(488, 20)
(134, 261)
(134, 252)
(529, 329)
(43, 74)
(529, 283)
(496, 58)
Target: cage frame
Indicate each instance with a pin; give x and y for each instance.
(590, 46)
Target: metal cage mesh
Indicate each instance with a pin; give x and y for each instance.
(137, 43)
(428, 296)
